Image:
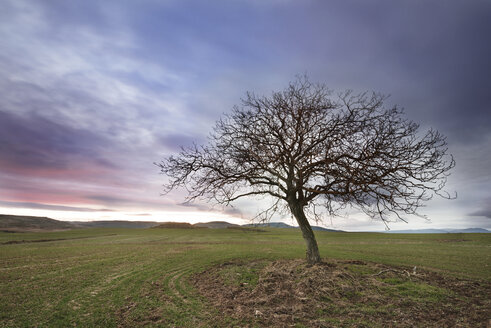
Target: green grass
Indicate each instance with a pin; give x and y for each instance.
(414, 291)
(244, 274)
(111, 277)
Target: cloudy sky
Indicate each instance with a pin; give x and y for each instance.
(95, 92)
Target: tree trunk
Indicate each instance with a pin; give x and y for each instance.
(313, 255)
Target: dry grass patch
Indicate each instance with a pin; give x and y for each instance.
(341, 294)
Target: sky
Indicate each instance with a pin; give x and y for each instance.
(94, 92)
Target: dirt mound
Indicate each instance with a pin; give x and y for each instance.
(341, 294)
(174, 225)
(215, 225)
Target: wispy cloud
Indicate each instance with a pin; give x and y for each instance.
(52, 207)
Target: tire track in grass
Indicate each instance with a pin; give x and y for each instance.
(173, 281)
(162, 300)
(178, 288)
(164, 297)
(173, 286)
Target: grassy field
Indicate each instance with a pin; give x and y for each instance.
(132, 277)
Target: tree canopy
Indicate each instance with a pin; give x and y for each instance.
(307, 147)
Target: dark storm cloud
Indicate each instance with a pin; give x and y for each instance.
(485, 211)
(445, 59)
(431, 56)
(30, 143)
(51, 207)
(174, 142)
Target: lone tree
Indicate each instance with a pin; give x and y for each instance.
(305, 147)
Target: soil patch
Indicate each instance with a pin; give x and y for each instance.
(459, 240)
(289, 293)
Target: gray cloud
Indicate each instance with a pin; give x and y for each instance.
(196, 206)
(107, 199)
(175, 141)
(52, 207)
(129, 201)
(484, 211)
(34, 142)
(233, 211)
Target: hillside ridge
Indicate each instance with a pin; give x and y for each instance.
(19, 223)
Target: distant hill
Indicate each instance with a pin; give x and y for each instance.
(174, 225)
(116, 224)
(37, 223)
(31, 223)
(215, 225)
(285, 226)
(269, 225)
(202, 225)
(325, 229)
(468, 230)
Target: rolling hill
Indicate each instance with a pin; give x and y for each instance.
(285, 226)
(116, 224)
(31, 223)
(174, 225)
(216, 225)
(18, 223)
(468, 230)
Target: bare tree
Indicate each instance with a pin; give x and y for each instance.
(305, 148)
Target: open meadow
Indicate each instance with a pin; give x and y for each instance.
(226, 277)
